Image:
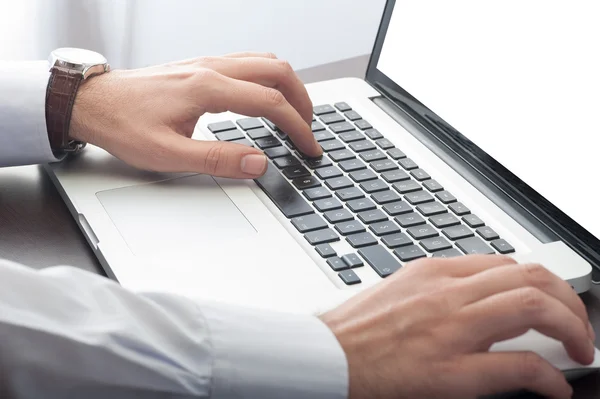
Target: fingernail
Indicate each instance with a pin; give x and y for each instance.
(254, 164)
(591, 331)
(592, 350)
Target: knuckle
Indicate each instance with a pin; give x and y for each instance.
(274, 97)
(204, 75)
(507, 260)
(531, 366)
(285, 67)
(271, 55)
(537, 275)
(532, 300)
(215, 157)
(204, 60)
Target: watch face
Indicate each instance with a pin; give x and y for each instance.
(79, 56)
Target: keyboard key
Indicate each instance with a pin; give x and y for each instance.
(325, 250)
(302, 183)
(324, 136)
(409, 253)
(384, 197)
(408, 186)
(277, 152)
(230, 135)
(457, 232)
(327, 204)
(352, 260)
(383, 165)
(352, 115)
(446, 197)
(323, 109)
(281, 135)
(380, 260)
(373, 186)
(349, 277)
(286, 161)
(397, 208)
(433, 186)
(342, 107)
(373, 134)
(487, 233)
(245, 142)
(290, 144)
(448, 253)
(397, 240)
(268, 142)
(408, 164)
(373, 216)
(270, 124)
(363, 175)
(350, 137)
(359, 205)
(317, 127)
(423, 231)
(317, 193)
(328, 172)
(338, 182)
(293, 172)
(363, 124)
(396, 154)
(341, 155)
(328, 119)
(459, 208)
(340, 215)
(473, 221)
(373, 155)
(435, 244)
(474, 245)
(363, 145)
(352, 165)
(342, 127)
(383, 228)
(502, 246)
(249, 123)
(308, 223)
(337, 264)
(418, 197)
(315, 163)
(331, 145)
(350, 227)
(431, 209)
(221, 126)
(321, 236)
(361, 240)
(444, 220)
(281, 192)
(395, 175)
(259, 133)
(384, 144)
(420, 174)
(350, 193)
(409, 219)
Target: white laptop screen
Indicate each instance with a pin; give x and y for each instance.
(519, 78)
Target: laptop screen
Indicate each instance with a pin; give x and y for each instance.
(518, 78)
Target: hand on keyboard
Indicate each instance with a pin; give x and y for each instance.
(147, 116)
(425, 331)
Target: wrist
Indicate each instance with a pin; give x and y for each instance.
(87, 117)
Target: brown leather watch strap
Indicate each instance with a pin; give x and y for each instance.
(60, 97)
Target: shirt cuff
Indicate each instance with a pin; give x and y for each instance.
(266, 355)
(23, 134)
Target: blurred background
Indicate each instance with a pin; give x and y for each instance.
(136, 33)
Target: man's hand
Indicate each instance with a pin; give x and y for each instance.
(146, 117)
(425, 332)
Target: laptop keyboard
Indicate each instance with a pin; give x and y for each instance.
(363, 190)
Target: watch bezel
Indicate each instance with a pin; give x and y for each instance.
(87, 69)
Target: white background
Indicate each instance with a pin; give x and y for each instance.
(520, 78)
(134, 33)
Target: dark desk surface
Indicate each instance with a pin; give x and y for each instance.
(36, 228)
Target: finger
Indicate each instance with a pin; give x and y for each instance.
(464, 266)
(246, 54)
(273, 73)
(483, 374)
(220, 93)
(512, 313)
(495, 280)
(216, 158)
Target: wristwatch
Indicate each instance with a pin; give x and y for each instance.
(68, 68)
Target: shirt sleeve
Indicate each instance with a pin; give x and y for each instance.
(23, 134)
(69, 333)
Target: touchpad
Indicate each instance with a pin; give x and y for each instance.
(180, 214)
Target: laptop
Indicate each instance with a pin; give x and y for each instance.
(470, 133)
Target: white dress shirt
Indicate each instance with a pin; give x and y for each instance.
(66, 333)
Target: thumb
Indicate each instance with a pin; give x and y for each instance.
(219, 158)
